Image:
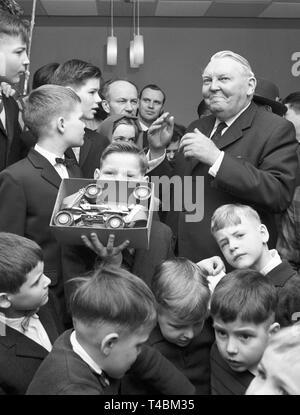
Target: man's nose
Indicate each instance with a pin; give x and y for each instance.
(151, 104)
(97, 98)
(214, 84)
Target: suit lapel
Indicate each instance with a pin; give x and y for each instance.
(233, 133)
(48, 323)
(8, 117)
(24, 346)
(48, 172)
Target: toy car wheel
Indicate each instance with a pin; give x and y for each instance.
(92, 191)
(115, 222)
(142, 192)
(64, 218)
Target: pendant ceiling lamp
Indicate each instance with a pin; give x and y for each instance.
(132, 58)
(138, 40)
(112, 47)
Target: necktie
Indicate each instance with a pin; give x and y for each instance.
(217, 134)
(103, 379)
(66, 161)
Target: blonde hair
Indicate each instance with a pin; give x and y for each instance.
(230, 215)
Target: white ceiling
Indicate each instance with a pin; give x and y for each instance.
(168, 8)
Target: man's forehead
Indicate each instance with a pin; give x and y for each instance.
(224, 64)
(123, 88)
(152, 92)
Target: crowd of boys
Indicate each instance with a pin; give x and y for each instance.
(143, 321)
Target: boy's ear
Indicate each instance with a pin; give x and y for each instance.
(274, 328)
(145, 178)
(4, 300)
(105, 105)
(97, 174)
(108, 342)
(60, 124)
(264, 232)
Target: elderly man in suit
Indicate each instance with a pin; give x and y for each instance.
(243, 152)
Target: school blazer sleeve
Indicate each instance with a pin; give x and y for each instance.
(155, 369)
(270, 183)
(12, 205)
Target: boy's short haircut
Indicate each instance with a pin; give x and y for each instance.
(44, 74)
(123, 147)
(113, 295)
(75, 73)
(230, 215)
(180, 288)
(155, 88)
(18, 257)
(105, 87)
(246, 295)
(13, 26)
(45, 103)
(286, 342)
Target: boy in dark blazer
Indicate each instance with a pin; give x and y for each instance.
(28, 325)
(13, 61)
(84, 78)
(113, 314)
(28, 189)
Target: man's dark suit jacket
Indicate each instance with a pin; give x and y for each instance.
(258, 169)
(28, 191)
(20, 356)
(12, 148)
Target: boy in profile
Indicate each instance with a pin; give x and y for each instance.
(182, 335)
(28, 188)
(243, 240)
(113, 314)
(13, 60)
(243, 309)
(28, 327)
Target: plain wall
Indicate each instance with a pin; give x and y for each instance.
(176, 51)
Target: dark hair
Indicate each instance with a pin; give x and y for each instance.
(124, 147)
(18, 257)
(127, 121)
(104, 91)
(75, 73)
(180, 288)
(293, 100)
(113, 295)
(43, 75)
(45, 103)
(155, 88)
(179, 131)
(245, 294)
(11, 25)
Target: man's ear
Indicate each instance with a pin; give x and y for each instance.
(105, 105)
(4, 300)
(97, 174)
(60, 124)
(264, 233)
(274, 328)
(251, 85)
(108, 343)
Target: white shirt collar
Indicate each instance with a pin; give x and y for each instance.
(143, 126)
(47, 154)
(79, 350)
(274, 262)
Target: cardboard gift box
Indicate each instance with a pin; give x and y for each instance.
(122, 208)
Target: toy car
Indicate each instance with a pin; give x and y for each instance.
(84, 208)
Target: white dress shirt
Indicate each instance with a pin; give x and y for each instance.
(59, 167)
(2, 115)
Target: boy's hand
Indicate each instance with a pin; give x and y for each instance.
(159, 134)
(211, 266)
(109, 253)
(6, 89)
